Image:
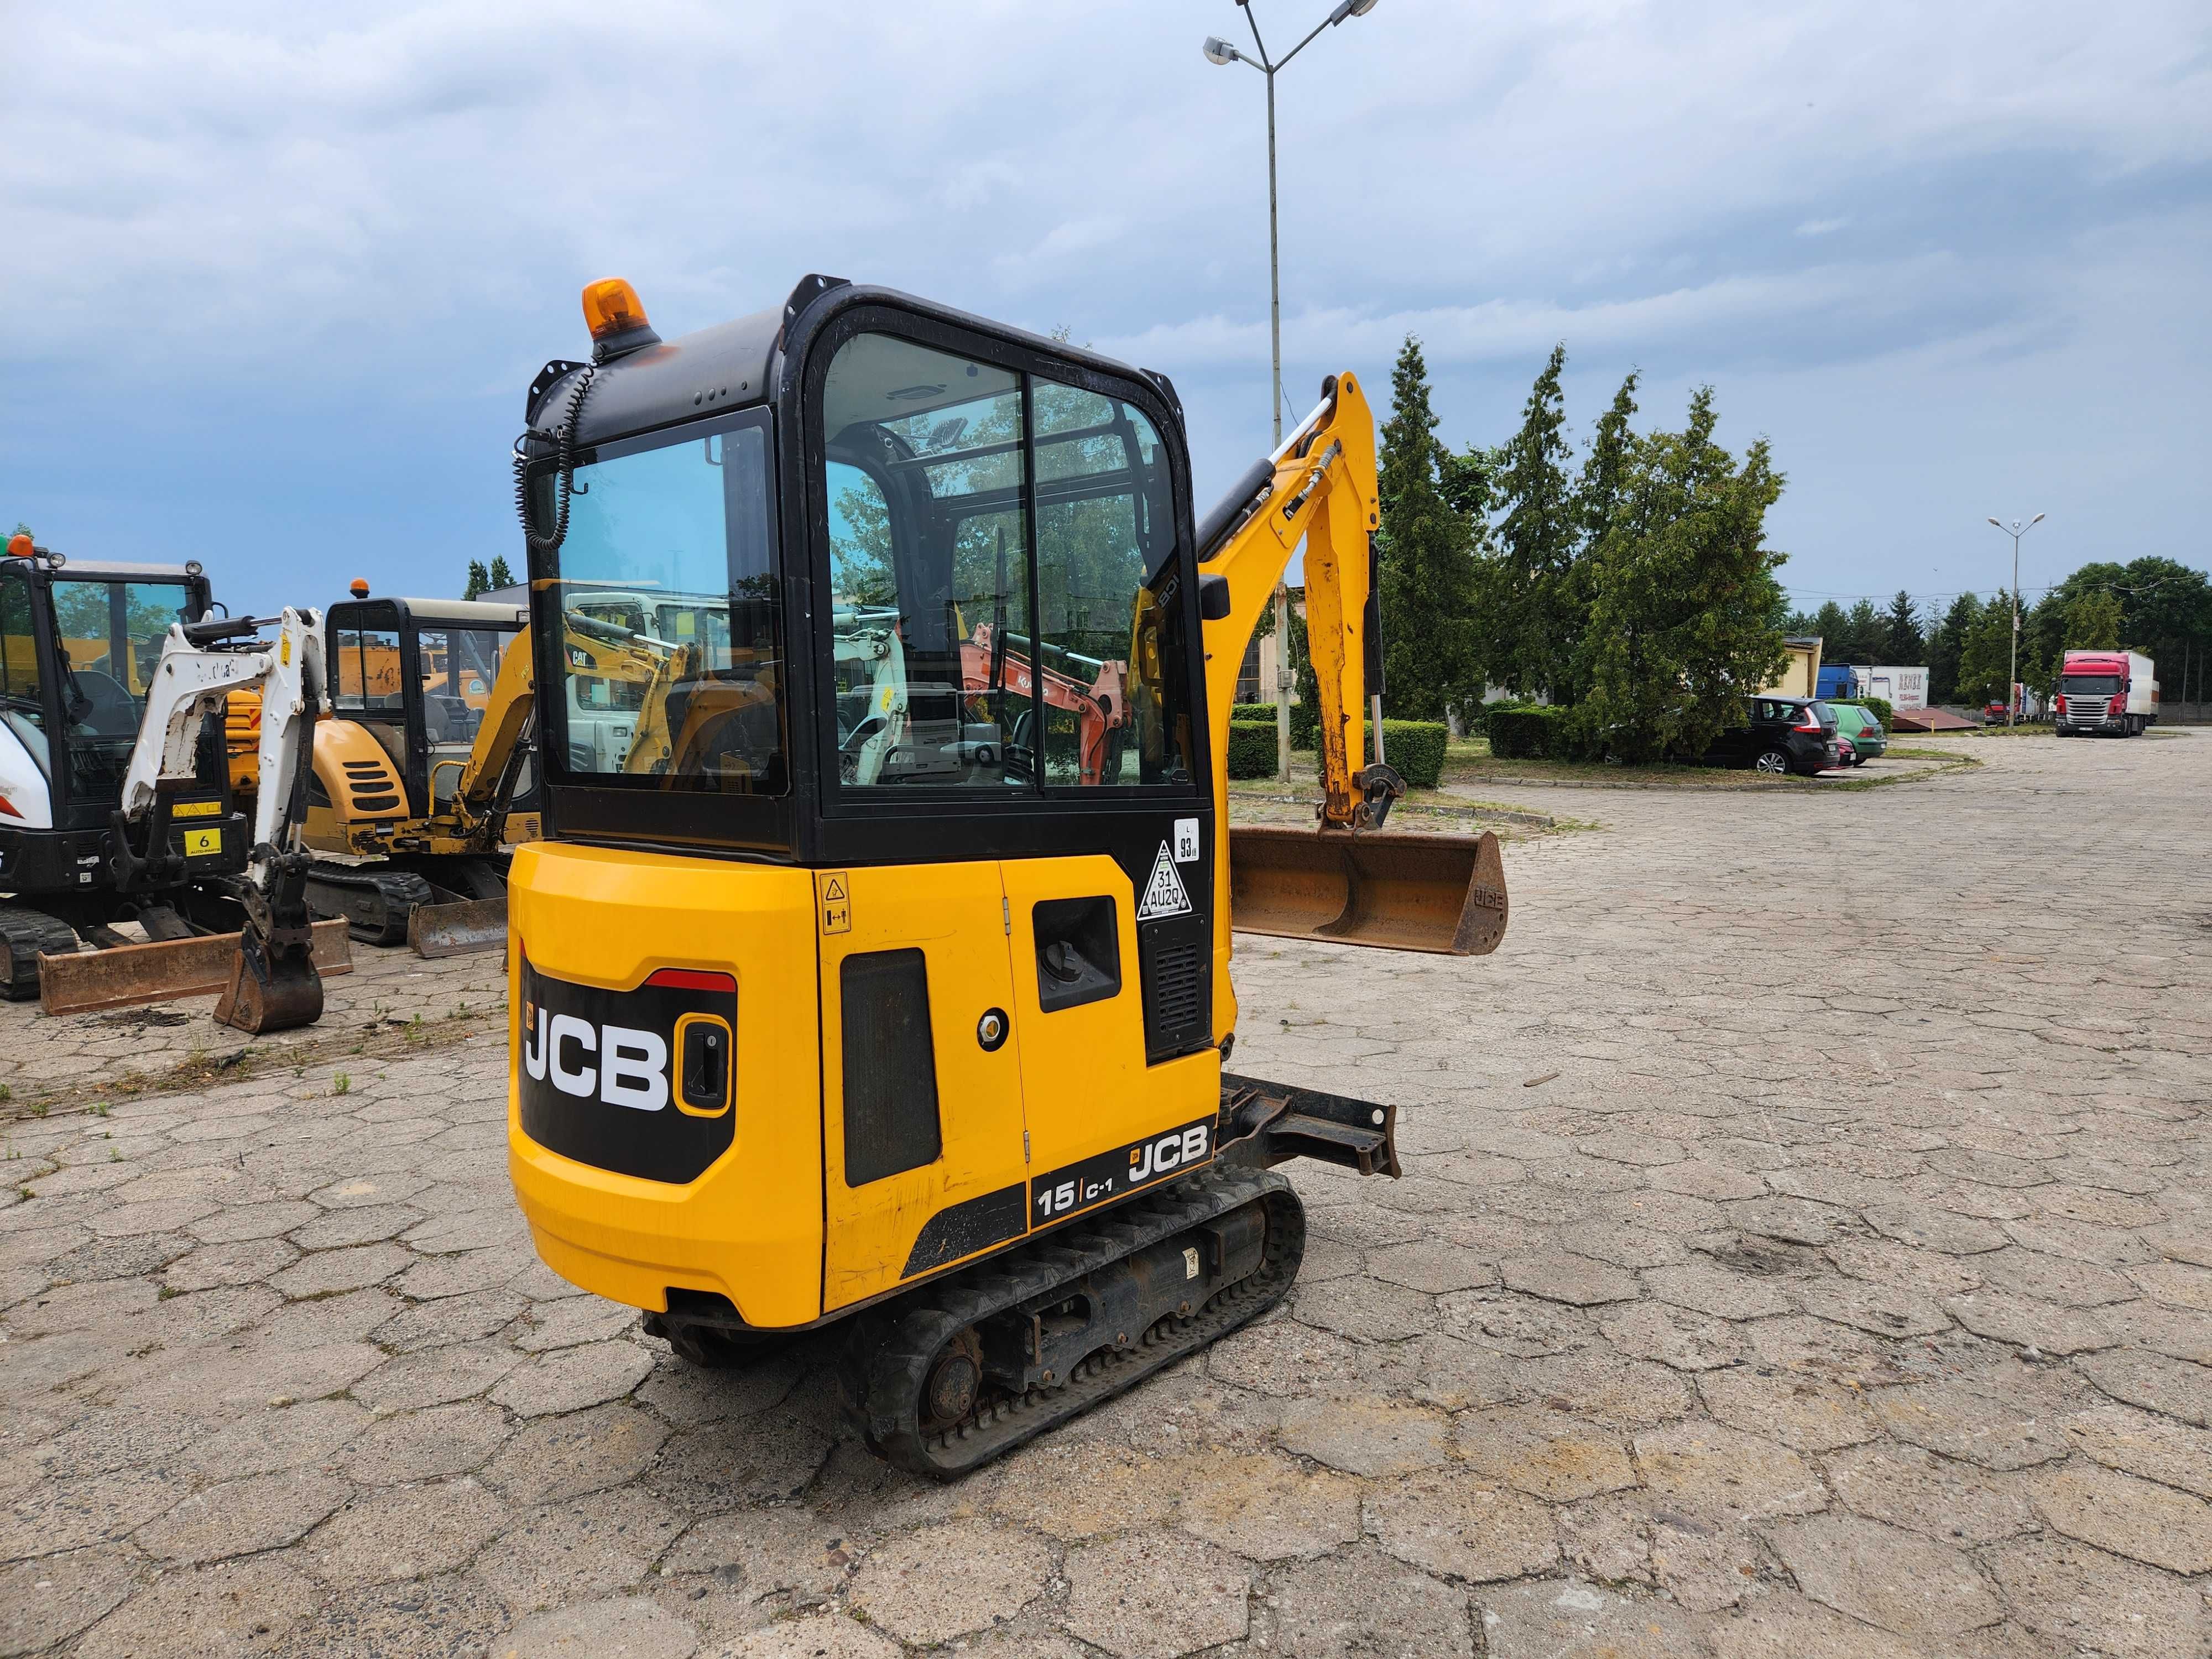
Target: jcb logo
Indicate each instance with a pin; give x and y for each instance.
(622, 1065)
(1169, 1151)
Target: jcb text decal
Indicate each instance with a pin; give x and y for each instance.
(1109, 1175)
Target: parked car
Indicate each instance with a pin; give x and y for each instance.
(1779, 735)
(1847, 753)
(1862, 731)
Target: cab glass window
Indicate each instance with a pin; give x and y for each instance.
(670, 650)
(1007, 612)
(367, 670)
(931, 621)
(1110, 631)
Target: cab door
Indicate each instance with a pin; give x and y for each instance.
(922, 1121)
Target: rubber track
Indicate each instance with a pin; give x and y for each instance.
(25, 933)
(893, 1347)
(396, 893)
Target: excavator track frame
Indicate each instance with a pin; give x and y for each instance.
(374, 902)
(894, 1350)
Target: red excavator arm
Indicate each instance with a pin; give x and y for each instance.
(1100, 706)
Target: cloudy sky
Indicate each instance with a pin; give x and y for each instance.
(275, 276)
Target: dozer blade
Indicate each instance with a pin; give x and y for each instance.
(273, 986)
(1396, 889)
(456, 930)
(88, 981)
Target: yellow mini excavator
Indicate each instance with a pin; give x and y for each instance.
(421, 772)
(875, 993)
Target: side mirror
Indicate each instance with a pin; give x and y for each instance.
(1213, 597)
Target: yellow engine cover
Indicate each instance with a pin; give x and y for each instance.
(905, 1092)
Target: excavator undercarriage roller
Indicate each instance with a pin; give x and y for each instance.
(952, 1375)
(1400, 890)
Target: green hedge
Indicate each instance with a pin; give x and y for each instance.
(1530, 731)
(1416, 748)
(1301, 719)
(1251, 749)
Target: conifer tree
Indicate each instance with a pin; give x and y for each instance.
(1426, 553)
(1902, 641)
(479, 580)
(500, 576)
(1529, 620)
(1946, 644)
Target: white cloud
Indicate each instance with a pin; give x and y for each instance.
(314, 218)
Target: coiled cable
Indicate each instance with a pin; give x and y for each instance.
(563, 438)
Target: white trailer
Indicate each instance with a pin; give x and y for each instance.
(1901, 687)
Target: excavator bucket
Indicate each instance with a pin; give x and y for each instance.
(86, 981)
(273, 985)
(1396, 889)
(458, 930)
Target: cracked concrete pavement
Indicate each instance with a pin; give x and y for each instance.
(1847, 1292)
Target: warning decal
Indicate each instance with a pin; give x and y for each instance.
(836, 905)
(1164, 895)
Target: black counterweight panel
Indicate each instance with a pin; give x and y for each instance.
(891, 1066)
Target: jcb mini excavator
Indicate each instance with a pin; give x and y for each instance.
(934, 1046)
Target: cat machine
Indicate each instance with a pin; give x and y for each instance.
(895, 992)
(423, 770)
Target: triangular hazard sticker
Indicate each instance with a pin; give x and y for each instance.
(833, 889)
(1164, 895)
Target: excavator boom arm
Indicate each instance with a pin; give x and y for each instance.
(1319, 486)
(1351, 881)
(506, 724)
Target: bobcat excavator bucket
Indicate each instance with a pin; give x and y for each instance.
(274, 985)
(1396, 889)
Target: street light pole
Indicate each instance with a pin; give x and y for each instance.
(2015, 530)
(1218, 51)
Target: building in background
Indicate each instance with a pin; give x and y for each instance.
(1800, 676)
(1255, 676)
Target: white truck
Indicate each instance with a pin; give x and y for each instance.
(2112, 693)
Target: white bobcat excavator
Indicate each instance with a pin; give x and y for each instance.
(274, 985)
(115, 802)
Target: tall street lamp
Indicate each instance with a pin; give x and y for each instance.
(2015, 530)
(1218, 51)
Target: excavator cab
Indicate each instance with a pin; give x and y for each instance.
(896, 935)
(415, 677)
(80, 642)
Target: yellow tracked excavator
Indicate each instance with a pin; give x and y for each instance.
(888, 988)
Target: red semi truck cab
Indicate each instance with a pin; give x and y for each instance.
(2112, 693)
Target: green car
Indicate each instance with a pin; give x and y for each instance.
(1865, 731)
